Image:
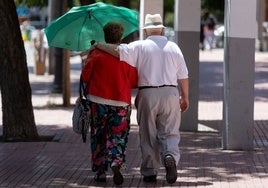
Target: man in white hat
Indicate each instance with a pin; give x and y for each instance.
(161, 68)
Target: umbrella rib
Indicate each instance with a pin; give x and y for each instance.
(96, 19)
(81, 30)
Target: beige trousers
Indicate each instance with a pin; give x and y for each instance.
(159, 117)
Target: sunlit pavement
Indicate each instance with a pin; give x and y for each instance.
(66, 162)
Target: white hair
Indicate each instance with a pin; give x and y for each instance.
(154, 31)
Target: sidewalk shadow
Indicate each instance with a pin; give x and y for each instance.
(202, 163)
(261, 81)
(211, 81)
(204, 159)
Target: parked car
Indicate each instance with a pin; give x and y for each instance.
(219, 36)
(169, 33)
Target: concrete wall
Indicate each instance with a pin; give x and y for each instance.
(239, 60)
(187, 31)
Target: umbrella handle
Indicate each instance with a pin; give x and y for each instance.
(92, 42)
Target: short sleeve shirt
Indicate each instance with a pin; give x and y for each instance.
(158, 61)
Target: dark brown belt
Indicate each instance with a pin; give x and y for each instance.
(147, 87)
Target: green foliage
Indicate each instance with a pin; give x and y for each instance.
(169, 19)
(75, 2)
(212, 5)
(31, 3)
(169, 5)
(215, 7)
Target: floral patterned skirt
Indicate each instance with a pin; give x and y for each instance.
(110, 127)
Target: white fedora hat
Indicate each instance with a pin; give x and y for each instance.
(153, 21)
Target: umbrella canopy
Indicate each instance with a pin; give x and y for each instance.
(75, 29)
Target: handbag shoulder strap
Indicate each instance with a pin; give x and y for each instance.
(82, 88)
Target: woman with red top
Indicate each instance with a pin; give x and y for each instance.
(109, 82)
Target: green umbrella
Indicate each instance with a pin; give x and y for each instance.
(75, 29)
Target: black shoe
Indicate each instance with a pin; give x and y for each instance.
(149, 178)
(100, 177)
(171, 169)
(118, 178)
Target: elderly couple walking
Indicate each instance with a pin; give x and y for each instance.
(157, 68)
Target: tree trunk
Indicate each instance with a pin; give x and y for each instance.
(18, 117)
(66, 79)
(56, 54)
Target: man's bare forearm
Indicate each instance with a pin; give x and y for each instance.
(184, 90)
(184, 86)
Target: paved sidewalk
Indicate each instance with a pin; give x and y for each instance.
(66, 162)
